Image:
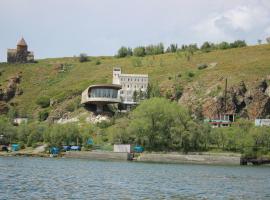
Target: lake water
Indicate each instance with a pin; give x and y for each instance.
(58, 178)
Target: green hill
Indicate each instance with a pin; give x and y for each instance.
(63, 79)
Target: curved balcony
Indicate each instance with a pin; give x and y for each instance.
(101, 94)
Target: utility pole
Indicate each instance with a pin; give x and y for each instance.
(225, 95)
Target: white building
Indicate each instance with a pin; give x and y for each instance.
(130, 83)
(262, 122)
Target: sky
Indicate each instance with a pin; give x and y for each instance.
(62, 28)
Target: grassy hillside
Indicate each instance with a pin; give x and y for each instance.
(46, 78)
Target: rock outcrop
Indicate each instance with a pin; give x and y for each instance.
(7, 93)
(251, 104)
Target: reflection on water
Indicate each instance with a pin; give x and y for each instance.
(44, 178)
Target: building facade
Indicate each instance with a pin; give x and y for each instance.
(134, 87)
(262, 122)
(101, 95)
(20, 54)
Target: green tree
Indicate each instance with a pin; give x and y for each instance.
(172, 48)
(139, 51)
(83, 57)
(124, 51)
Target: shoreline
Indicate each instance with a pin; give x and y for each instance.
(169, 158)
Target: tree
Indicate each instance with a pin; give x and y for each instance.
(259, 41)
(238, 44)
(124, 51)
(83, 57)
(159, 124)
(154, 49)
(268, 40)
(206, 47)
(172, 48)
(224, 45)
(135, 96)
(153, 90)
(139, 51)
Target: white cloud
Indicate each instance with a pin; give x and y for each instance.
(241, 22)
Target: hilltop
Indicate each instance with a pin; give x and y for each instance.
(63, 79)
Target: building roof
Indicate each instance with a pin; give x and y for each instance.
(134, 75)
(113, 86)
(22, 43)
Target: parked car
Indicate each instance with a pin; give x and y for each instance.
(75, 148)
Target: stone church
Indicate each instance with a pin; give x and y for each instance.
(21, 54)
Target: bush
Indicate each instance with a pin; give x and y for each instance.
(43, 101)
(139, 52)
(124, 51)
(238, 44)
(71, 107)
(202, 66)
(83, 57)
(268, 40)
(207, 47)
(172, 48)
(224, 45)
(154, 49)
(190, 74)
(98, 62)
(43, 115)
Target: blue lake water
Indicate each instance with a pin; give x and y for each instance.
(58, 178)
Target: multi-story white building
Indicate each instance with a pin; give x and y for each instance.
(130, 83)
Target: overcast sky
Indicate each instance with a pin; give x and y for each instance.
(57, 28)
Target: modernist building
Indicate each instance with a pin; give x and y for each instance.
(101, 95)
(21, 54)
(130, 83)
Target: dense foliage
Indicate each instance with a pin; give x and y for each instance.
(157, 124)
(162, 125)
(157, 49)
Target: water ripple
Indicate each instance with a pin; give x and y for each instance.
(43, 178)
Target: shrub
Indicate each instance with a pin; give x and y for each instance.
(122, 52)
(202, 66)
(139, 52)
(172, 48)
(268, 40)
(71, 107)
(98, 62)
(43, 101)
(238, 44)
(154, 49)
(83, 57)
(190, 74)
(43, 115)
(206, 47)
(224, 45)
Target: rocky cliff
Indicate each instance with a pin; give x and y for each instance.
(250, 103)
